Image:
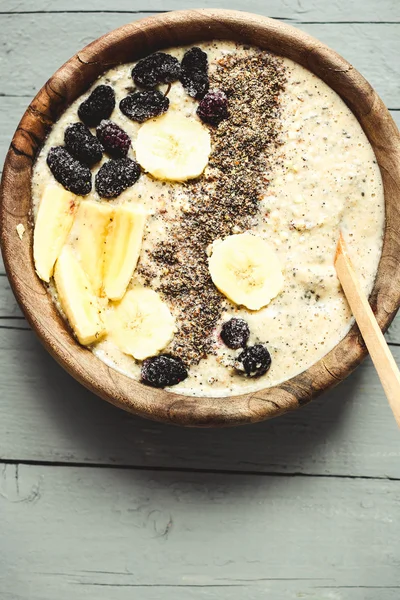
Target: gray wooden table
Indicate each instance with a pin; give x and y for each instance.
(98, 505)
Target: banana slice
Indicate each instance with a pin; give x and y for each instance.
(246, 270)
(141, 324)
(80, 305)
(53, 223)
(173, 147)
(91, 226)
(123, 244)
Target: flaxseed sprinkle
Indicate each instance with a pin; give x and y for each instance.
(223, 201)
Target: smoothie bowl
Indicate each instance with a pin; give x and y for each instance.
(171, 205)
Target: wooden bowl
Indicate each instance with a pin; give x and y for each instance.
(128, 43)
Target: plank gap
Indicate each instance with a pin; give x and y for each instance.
(339, 22)
(357, 587)
(87, 12)
(238, 472)
(3, 95)
(155, 12)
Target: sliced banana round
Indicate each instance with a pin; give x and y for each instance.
(141, 323)
(173, 147)
(246, 270)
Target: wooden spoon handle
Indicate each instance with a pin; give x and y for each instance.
(382, 358)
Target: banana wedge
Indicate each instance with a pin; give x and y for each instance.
(246, 270)
(141, 324)
(75, 294)
(173, 147)
(54, 220)
(91, 226)
(123, 244)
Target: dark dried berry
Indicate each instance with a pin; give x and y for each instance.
(253, 361)
(142, 106)
(82, 144)
(116, 142)
(195, 84)
(195, 59)
(155, 69)
(194, 73)
(235, 333)
(162, 370)
(213, 108)
(74, 176)
(98, 106)
(115, 176)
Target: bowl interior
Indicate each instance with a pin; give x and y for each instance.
(129, 43)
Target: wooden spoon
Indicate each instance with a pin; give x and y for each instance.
(382, 358)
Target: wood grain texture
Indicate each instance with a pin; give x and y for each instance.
(128, 43)
(148, 534)
(310, 10)
(8, 304)
(47, 416)
(86, 518)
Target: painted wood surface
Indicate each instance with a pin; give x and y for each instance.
(309, 10)
(46, 416)
(114, 534)
(94, 533)
(373, 48)
(9, 309)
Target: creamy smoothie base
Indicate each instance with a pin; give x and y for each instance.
(297, 169)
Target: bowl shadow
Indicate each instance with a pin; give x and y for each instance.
(93, 432)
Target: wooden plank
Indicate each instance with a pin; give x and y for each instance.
(47, 416)
(11, 111)
(393, 334)
(8, 304)
(341, 10)
(97, 534)
(372, 48)
(10, 309)
(108, 533)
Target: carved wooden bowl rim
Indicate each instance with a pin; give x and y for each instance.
(129, 43)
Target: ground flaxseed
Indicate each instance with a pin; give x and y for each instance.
(223, 201)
